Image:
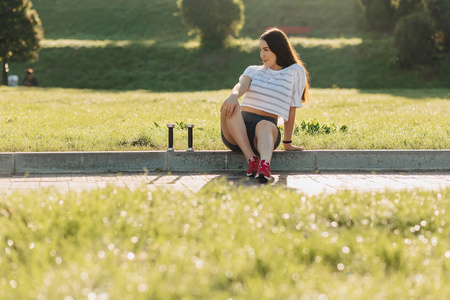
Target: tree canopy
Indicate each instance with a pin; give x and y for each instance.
(215, 21)
(20, 32)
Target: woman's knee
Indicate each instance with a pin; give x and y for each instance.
(265, 127)
(224, 120)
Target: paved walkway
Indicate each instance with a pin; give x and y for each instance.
(308, 183)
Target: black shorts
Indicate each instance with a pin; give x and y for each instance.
(251, 120)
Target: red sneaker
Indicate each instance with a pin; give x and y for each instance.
(253, 163)
(263, 171)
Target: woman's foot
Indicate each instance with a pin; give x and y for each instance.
(263, 171)
(253, 163)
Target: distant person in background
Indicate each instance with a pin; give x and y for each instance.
(272, 90)
(30, 80)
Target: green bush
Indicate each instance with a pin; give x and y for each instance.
(215, 21)
(413, 41)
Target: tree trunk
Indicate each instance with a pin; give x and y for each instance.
(5, 73)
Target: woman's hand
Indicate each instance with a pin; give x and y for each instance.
(290, 147)
(230, 106)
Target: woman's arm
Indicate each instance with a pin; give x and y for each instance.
(289, 130)
(231, 104)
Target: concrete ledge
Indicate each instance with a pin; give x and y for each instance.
(304, 161)
(6, 163)
(200, 161)
(384, 160)
(216, 161)
(80, 162)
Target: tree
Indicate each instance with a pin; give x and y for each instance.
(20, 33)
(413, 41)
(439, 10)
(379, 14)
(382, 15)
(214, 20)
(407, 7)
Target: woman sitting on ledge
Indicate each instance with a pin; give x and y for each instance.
(274, 89)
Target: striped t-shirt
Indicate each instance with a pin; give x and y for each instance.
(275, 91)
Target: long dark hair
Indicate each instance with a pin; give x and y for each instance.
(279, 44)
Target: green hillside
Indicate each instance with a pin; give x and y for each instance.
(143, 44)
(158, 19)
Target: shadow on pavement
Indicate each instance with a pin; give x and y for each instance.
(240, 180)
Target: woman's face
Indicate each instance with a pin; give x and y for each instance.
(268, 57)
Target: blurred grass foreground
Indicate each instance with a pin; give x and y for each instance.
(226, 242)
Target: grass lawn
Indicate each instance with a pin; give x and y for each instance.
(178, 66)
(225, 242)
(46, 119)
(140, 44)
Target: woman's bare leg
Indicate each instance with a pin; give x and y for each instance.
(266, 134)
(235, 132)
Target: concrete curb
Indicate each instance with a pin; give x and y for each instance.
(216, 161)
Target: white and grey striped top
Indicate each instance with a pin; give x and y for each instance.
(275, 91)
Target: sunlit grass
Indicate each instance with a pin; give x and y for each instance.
(39, 119)
(335, 43)
(248, 44)
(245, 44)
(60, 43)
(225, 242)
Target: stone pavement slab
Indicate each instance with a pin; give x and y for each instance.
(307, 183)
